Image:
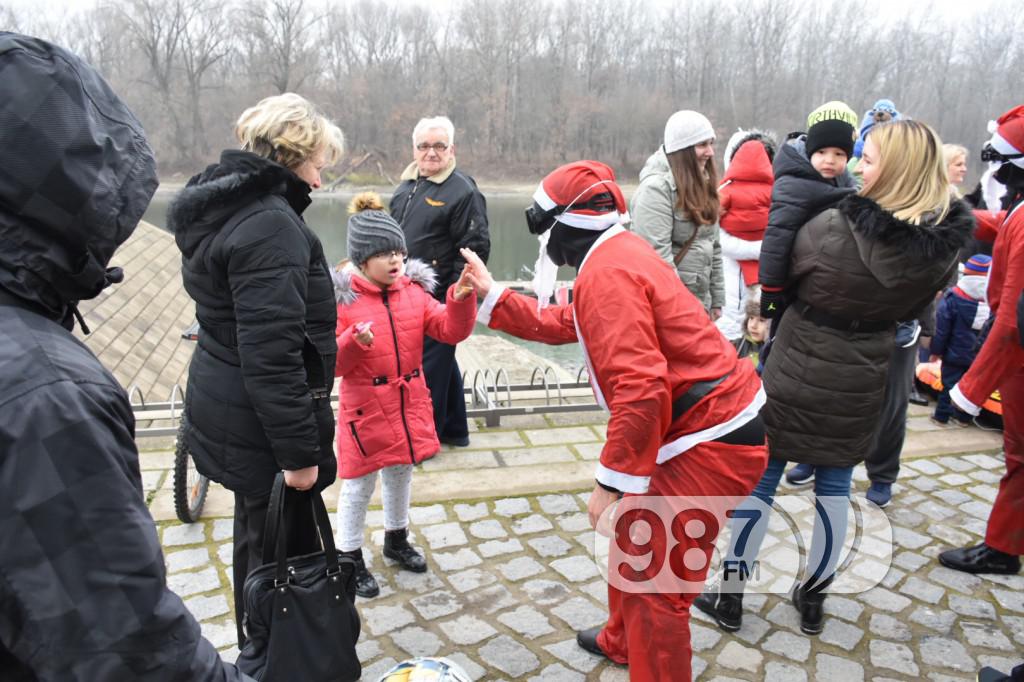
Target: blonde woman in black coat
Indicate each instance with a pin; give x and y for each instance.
(877, 258)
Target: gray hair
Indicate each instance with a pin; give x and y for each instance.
(442, 122)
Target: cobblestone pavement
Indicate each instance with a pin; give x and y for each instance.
(511, 581)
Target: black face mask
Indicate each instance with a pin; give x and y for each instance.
(570, 245)
(1010, 175)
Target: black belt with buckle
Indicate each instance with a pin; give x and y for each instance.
(694, 394)
(381, 380)
(843, 324)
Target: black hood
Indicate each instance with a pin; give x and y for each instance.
(212, 197)
(76, 178)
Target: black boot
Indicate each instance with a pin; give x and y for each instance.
(980, 559)
(397, 548)
(366, 584)
(810, 602)
(726, 607)
(587, 640)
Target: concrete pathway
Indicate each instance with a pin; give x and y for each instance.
(511, 579)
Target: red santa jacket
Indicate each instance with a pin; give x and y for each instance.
(745, 196)
(987, 224)
(647, 340)
(385, 416)
(1001, 353)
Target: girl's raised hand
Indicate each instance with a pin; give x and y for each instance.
(479, 276)
(463, 287)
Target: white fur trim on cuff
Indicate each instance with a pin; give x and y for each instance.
(961, 401)
(483, 315)
(625, 482)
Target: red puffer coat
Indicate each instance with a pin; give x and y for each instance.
(385, 416)
(745, 195)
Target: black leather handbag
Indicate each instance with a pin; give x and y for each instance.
(300, 615)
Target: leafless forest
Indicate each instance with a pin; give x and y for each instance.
(532, 83)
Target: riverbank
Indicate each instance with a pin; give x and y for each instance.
(489, 188)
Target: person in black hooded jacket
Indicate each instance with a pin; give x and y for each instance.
(83, 589)
(258, 395)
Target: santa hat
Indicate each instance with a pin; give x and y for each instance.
(1008, 136)
(582, 194)
(977, 264)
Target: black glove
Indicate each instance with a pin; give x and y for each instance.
(772, 304)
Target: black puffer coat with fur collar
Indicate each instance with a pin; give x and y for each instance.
(265, 304)
(855, 262)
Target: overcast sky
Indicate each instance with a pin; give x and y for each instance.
(960, 9)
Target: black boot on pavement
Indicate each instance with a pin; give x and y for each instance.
(980, 559)
(366, 584)
(397, 548)
(725, 606)
(587, 639)
(811, 605)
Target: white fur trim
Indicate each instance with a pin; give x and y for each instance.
(483, 315)
(685, 442)
(1001, 145)
(580, 220)
(627, 483)
(961, 401)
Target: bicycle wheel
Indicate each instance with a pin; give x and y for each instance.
(190, 486)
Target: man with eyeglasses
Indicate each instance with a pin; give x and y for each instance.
(441, 211)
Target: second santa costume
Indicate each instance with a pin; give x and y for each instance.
(684, 410)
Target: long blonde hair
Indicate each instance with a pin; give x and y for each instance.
(289, 130)
(912, 179)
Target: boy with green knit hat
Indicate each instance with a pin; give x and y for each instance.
(810, 177)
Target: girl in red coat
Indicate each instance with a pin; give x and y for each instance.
(745, 196)
(385, 416)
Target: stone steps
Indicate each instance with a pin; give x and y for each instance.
(543, 453)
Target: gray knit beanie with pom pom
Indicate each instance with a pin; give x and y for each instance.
(371, 230)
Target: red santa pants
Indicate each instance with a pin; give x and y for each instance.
(651, 632)
(1006, 522)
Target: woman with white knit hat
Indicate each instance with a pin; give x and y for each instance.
(675, 208)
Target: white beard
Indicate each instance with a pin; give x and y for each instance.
(992, 190)
(545, 273)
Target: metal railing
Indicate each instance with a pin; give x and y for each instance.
(489, 394)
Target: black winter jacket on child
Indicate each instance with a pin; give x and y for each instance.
(958, 321)
(799, 194)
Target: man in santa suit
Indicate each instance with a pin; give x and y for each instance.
(683, 408)
(1000, 363)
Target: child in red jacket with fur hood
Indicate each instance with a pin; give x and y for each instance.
(745, 196)
(385, 416)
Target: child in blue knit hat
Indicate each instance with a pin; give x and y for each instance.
(960, 316)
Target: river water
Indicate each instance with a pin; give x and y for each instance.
(513, 248)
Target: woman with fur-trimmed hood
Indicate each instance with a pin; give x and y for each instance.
(385, 415)
(879, 257)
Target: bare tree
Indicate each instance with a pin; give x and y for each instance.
(280, 42)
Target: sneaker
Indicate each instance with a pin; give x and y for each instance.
(915, 398)
(800, 474)
(938, 422)
(455, 441)
(880, 494)
(959, 423)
